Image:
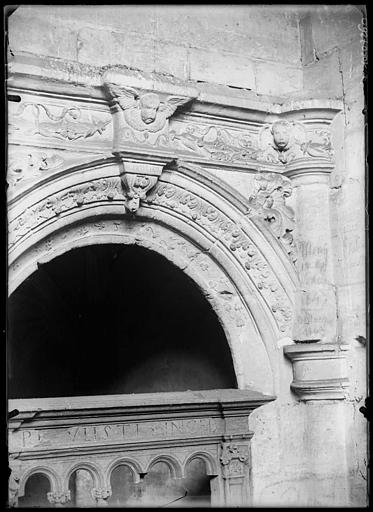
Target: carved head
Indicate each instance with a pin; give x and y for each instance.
(281, 134)
(133, 203)
(149, 104)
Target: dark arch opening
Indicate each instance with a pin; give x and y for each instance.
(108, 319)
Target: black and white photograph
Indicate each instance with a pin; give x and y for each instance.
(187, 256)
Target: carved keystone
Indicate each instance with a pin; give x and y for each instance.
(142, 114)
(235, 458)
(137, 180)
(319, 371)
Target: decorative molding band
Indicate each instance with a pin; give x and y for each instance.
(319, 371)
(196, 211)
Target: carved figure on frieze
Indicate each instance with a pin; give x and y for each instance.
(281, 141)
(144, 112)
(217, 143)
(269, 202)
(318, 145)
(67, 125)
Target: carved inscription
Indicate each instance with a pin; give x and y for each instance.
(316, 296)
(114, 433)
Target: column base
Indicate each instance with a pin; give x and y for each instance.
(319, 371)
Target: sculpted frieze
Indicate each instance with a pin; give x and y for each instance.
(278, 143)
(23, 165)
(214, 142)
(106, 189)
(234, 459)
(67, 124)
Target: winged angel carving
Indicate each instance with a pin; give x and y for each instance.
(144, 112)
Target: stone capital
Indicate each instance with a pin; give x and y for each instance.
(59, 498)
(101, 495)
(319, 370)
(309, 172)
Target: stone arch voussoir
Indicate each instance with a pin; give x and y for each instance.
(243, 277)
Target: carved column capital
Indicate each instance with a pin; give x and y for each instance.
(309, 171)
(59, 498)
(101, 495)
(234, 459)
(319, 371)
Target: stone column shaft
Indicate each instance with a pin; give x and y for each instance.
(315, 303)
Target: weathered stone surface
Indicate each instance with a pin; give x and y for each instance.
(226, 69)
(273, 78)
(213, 222)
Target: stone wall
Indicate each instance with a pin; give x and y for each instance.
(333, 65)
(252, 49)
(311, 454)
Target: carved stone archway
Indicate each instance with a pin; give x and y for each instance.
(247, 277)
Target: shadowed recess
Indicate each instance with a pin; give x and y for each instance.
(110, 319)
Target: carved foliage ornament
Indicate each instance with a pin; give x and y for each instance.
(59, 497)
(223, 229)
(269, 202)
(101, 494)
(189, 205)
(234, 458)
(66, 125)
